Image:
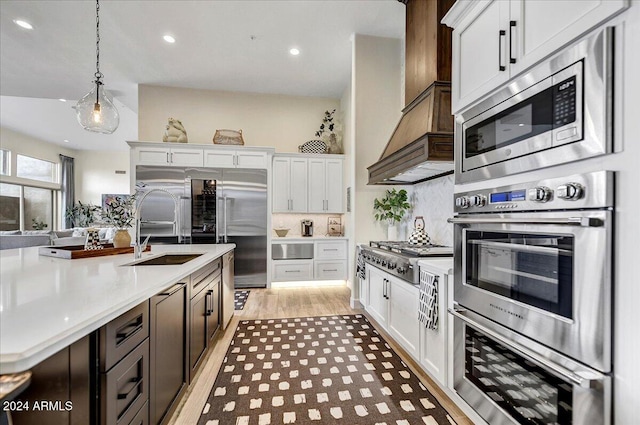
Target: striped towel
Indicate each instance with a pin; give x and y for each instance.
(428, 309)
(360, 270)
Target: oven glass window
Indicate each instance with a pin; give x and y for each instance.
(533, 269)
(527, 392)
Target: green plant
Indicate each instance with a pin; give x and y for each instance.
(82, 215)
(119, 211)
(36, 224)
(392, 207)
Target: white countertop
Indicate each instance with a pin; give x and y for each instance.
(48, 303)
(295, 238)
(438, 265)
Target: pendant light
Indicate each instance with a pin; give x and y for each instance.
(96, 111)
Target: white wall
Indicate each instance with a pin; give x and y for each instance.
(96, 174)
(283, 122)
(376, 98)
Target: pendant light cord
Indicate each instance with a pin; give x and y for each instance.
(98, 74)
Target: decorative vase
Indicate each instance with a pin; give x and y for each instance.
(122, 239)
(392, 232)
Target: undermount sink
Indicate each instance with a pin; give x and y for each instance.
(166, 260)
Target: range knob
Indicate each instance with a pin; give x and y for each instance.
(378, 261)
(478, 201)
(392, 266)
(570, 191)
(402, 270)
(462, 202)
(540, 194)
(384, 263)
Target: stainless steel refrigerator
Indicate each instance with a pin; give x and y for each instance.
(240, 217)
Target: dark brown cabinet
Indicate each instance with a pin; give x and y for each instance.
(169, 376)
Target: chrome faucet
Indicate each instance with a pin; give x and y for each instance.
(139, 248)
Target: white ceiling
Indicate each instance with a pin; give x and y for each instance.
(221, 45)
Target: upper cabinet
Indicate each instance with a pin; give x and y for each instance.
(289, 184)
(308, 183)
(325, 185)
(493, 41)
(219, 158)
(172, 157)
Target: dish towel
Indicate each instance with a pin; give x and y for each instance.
(428, 309)
(360, 270)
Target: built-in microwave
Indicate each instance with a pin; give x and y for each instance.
(558, 112)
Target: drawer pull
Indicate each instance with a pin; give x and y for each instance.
(329, 270)
(329, 249)
(136, 383)
(134, 327)
(292, 271)
(175, 288)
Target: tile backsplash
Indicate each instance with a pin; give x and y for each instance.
(433, 200)
(292, 222)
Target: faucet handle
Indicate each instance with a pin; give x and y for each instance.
(143, 245)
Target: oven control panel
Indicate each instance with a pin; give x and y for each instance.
(572, 192)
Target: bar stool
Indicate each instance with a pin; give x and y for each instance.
(12, 385)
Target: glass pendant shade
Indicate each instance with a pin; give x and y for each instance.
(96, 112)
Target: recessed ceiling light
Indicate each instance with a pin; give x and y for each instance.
(24, 24)
(169, 39)
(62, 100)
(294, 51)
(66, 141)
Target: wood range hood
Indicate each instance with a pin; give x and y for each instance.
(421, 146)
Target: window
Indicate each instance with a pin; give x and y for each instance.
(31, 206)
(35, 169)
(4, 162)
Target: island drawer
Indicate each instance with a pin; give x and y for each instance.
(125, 388)
(331, 250)
(123, 334)
(202, 277)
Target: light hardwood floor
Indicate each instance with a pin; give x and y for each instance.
(280, 303)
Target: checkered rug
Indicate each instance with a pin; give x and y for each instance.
(240, 299)
(317, 370)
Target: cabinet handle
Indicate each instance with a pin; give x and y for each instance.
(134, 325)
(329, 270)
(136, 383)
(501, 33)
(172, 157)
(175, 288)
(167, 157)
(330, 249)
(512, 26)
(209, 302)
(292, 271)
(384, 288)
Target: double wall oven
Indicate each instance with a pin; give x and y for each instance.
(533, 290)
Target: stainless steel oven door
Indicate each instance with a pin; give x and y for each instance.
(509, 379)
(545, 275)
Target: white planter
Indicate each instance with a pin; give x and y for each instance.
(392, 232)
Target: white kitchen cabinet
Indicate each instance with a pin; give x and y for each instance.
(330, 269)
(434, 342)
(377, 305)
(289, 184)
(245, 158)
(403, 315)
(495, 40)
(325, 185)
(172, 157)
(330, 250)
(292, 270)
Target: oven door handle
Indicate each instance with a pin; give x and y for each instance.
(569, 221)
(584, 380)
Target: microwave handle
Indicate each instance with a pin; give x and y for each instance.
(570, 221)
(559, 371)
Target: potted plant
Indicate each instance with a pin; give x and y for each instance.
(119, 212)
(392, 209)
(82, 215)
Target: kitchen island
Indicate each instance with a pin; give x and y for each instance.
(48, 303)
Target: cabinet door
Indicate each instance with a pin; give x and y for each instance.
(480, 53)
(213, 309)
(186, 157)
(544, 26)
(281, 184)
(219, 158)
(377, 306)
(298, 185)
(334, 198)
(198, 331)
(251, 159)
(403, 315)
(317, 185)
(433, 343)
(151, 156)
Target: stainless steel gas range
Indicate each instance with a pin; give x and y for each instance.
(401, 258)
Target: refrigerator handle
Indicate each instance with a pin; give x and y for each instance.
(224, 198)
